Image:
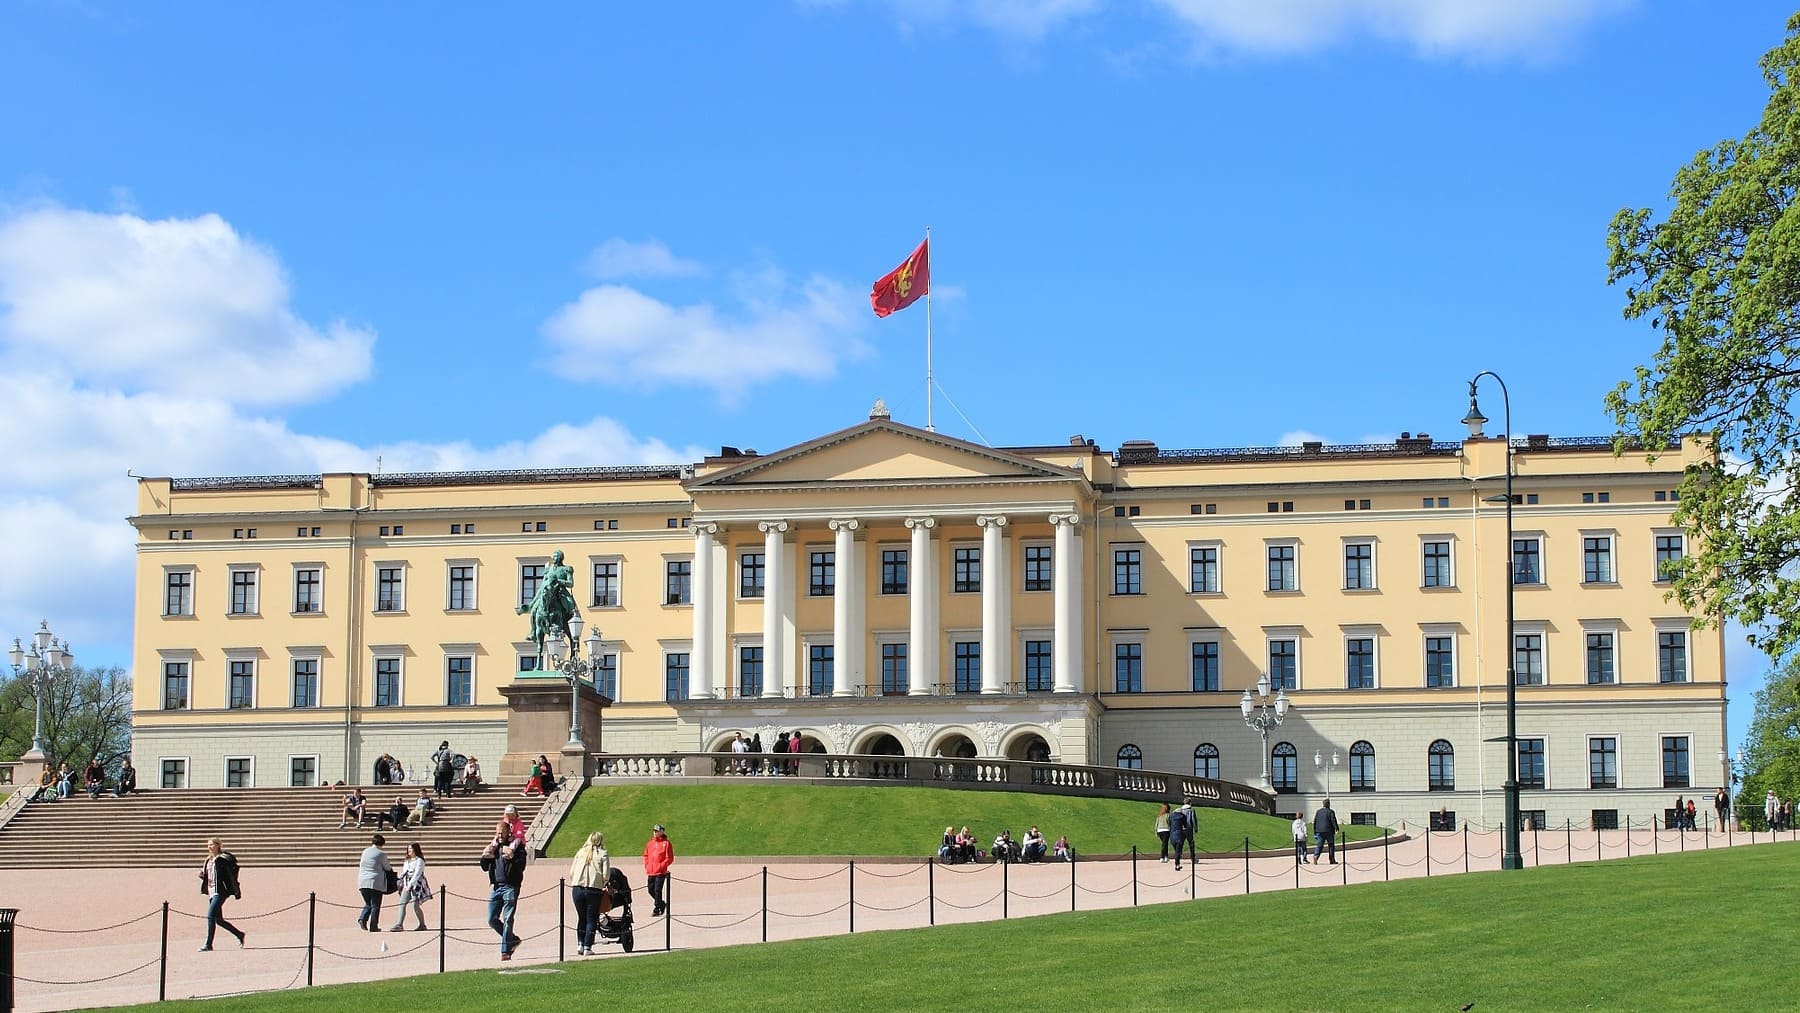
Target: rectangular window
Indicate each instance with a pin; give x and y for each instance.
(1603, 763)
(606, 674)
(175, 685)
(968, 666)
(1128, 571)
(306, 682)
(1596, 560)
(1203, 569)
(462, 588)
(1284, 664)
(1359, 566)
(752, 568)
(1531, 763)
(1437, 565)
(1528, 659)
(893, 571)
(530, 576)
(459, 681)
(820, 663)
(1359, 663)
(241, 689)
(178, 593)
(387, 682)
(1527, 564)
(1604, 819)
(1675, 761)
(238, 772)
(678, 583)
(893, 669)
(1669, 550)
(675, 675)
(174, 774)
(303, 771)
(1281, 568)
(1128, 667)
(1440, 662)
(390, 589)
(1206, 666)
(965, 570)
(1671, 656)
(606, 584)
(821, 573)
(1038, 568)
(750, 671)
(1600, 670)
(1039, 669)
(243, 592)
(306, 589)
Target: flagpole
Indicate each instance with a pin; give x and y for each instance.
(928, 381)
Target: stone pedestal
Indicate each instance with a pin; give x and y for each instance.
(537, 723)
(30, 768)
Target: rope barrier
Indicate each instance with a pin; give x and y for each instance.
(969, 907)
(1038, 896)
(104, 928)
(1097, 893)
(973, 867)
(884, 875)
(90, 981)
(814, 914)
(802, 879)
(721, 925)
(712, 882)
(876, 907)
(266, 914)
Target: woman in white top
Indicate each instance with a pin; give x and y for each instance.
(587, 875)
(1299, 829)
(415, 889)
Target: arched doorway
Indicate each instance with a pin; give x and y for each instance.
(957, 747)
(882, 745)
(1029, 747)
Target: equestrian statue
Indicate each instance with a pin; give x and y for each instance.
(553, 606)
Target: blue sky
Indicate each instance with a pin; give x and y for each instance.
(254, 238)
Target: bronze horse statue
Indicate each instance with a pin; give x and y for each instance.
(553, 606)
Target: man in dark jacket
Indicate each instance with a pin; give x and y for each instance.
(219, 881)
(1181, 831)
(1325, 828)
(443, 767)
(504, 861)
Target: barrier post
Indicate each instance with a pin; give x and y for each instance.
(1246, 866)
(1537, 850)
(1628, 836)
(1465, 845)
(1344, 846)
(8, 915)
(162, 960)
(1193, 867)
(1071, 882)
(1655, 841)
(1599, 854)
(443, 925)
(765, 903)
(1134, 895)
(931, 890)
(562, 920)
(312, 922)
(1428, 852)
(1384, 855)
(1682, 832)
(853, 896)
(668, 919)
(1005, 891)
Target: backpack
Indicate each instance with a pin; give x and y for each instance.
(1178, 824)
(444, 766)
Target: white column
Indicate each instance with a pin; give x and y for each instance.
(775, 669)
(846, 631)
(1066, 666)
(701, 685)
(996, 596)
(921, 650)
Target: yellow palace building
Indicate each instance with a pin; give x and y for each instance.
(886, 589)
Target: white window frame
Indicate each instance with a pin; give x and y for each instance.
(950, 551)
(662, 591)
(738, 643)
(1549, 767)
(375, 586)
(473, 653)
(1374, 545)
(1693, 775)
(668, 647)
(187, 766)
(1277, 543)
(1217, 636)
(1361, 631)
(1614, 627)
(1295, 634)
(519, 569)
(737, 572)
(1543, 556)
(1672, 624)
(1114, 640)
(317, 776)
(1618, 760)
(883, 638)
(803, 574)
(615, 649)
(912, 573)
(1450, 540)
(1218, 547)
(319, 589)
(618, 562)
(1612, 555)
(184, 655)
(1036, 543)
(474, 566)
(225, 769)
(376, 656)
(1112, 567)
(193, 590)
(1021, 636)
(316, 655)
(255, 605)
(1541, 628)
(1656, 576)
(1429, 631)
(240, 654)
(803, 664)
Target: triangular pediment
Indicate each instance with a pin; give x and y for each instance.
(880, 452)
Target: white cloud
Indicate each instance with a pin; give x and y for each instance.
(619, 335)
(1297, 437)
(1029, 20)
(621, 258)
(1481, 28)
(176, 305)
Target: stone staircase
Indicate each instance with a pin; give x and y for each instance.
(262, 826)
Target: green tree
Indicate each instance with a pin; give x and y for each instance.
(1719, 276)
(1772, 752)
(85, 715)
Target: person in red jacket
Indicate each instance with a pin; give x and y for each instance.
(659, 854)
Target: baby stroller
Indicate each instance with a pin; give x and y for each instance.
(615, 911)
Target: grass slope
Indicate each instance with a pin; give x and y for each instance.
(1676, 931)
(758, 818)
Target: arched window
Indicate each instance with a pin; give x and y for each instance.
(1441, 766)
(1206, 760)
(1284, 768)
(1362, 766)
(1131, 757)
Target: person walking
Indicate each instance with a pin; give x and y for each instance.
(443, 769)
(1325, 828)
(372, 873)
(587, 876)
(659, 854)
(504, 862)
(218, 881)
(1162, 831)
(1181, 831)
(415, 889)
(1771, 809)
(1722, 805)
(1300, 837)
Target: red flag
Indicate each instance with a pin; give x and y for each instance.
(903, 286)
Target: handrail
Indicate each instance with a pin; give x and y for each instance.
(550, 815)
(985, 772)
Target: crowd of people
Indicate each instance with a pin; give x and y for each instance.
(751, 758)
(961, 846)
(57, 783)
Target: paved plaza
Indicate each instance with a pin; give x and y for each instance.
(91, 937)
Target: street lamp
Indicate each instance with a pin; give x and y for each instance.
(1257, 716)
(574, 667)
(1326, 771)
(45, 661)
(1510, 857)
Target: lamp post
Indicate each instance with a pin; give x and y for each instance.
(1510, 857)
(41, 664)
(574, 668)
(1325, 771)
(1257, 716)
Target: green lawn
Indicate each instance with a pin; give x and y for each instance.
(791, 819)
(1703, 930)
